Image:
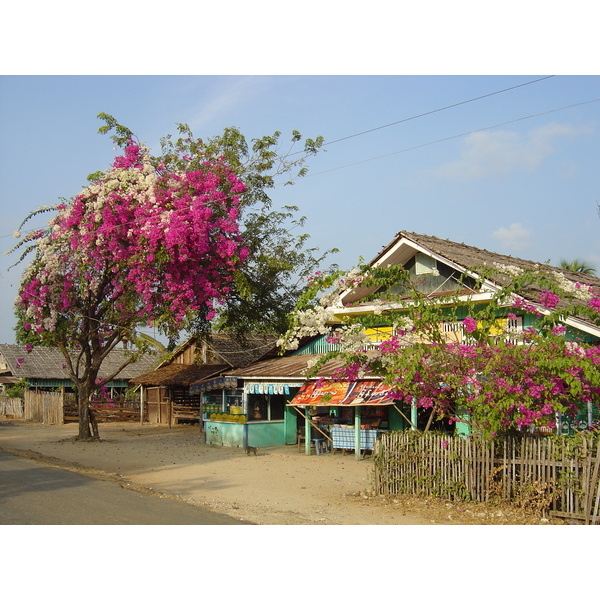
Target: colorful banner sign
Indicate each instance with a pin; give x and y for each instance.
(342, 393)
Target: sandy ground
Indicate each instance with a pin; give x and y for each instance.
(278, 486)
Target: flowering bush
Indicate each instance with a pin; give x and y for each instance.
(138, 245)
(133, 243)
(463, 359)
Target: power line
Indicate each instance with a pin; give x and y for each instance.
(453, 137)
(411, 119)
(431, 112)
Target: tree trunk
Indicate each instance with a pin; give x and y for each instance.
(88, 428)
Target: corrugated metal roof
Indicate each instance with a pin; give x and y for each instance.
(48, 363)
(288, 367)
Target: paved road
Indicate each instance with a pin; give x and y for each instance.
(33, 494)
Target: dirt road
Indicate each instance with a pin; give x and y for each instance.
(278, 486)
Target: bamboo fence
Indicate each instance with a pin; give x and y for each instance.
(44, 407)
(11, 407)
(56, 408)
(556, 476)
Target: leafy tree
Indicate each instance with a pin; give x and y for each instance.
(152, 240)
(267, 285)
(457, 357)
(138, 245)
(17, 390)
(577, 266)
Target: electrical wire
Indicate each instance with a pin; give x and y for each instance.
(453, 137)
(431, 112)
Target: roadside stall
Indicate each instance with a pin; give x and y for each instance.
(349, 414)
(246, 414)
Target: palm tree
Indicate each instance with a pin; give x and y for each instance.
(578, 266)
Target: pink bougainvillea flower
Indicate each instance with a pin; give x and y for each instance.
(470, 324)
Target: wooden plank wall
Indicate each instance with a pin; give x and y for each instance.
(552, 475)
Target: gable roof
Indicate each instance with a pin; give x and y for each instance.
(226, 348)
(44, 362)
(178, 374)
(465, 257)
(469, 259)
(240, 352)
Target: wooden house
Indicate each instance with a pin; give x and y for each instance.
(353, 409)
(451, 268)
(169, 397)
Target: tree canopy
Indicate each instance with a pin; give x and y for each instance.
(162, 240)
(267, 285)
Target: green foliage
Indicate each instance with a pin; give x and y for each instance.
(17, 390)
(270, 282)
(577, 266)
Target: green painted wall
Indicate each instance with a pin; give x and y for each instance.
(260, 434)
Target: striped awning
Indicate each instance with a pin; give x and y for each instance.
(342, 393)
(216, 383)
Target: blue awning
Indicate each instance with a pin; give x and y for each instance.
(216, 383)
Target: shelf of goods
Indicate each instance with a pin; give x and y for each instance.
(213, 412)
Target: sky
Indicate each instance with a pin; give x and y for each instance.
(431, 125)
(465, 158)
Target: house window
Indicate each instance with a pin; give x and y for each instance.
(265, 407)
(425, 264)
(233, 398)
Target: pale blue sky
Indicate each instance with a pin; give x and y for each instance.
(482, 173)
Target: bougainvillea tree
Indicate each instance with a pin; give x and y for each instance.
(462, 359)
(183, 239)
(268, 283)
(140, 244)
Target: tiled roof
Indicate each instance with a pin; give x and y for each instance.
(48, 363)
(241, 352)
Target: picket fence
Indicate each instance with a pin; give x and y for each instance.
(558, 476)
